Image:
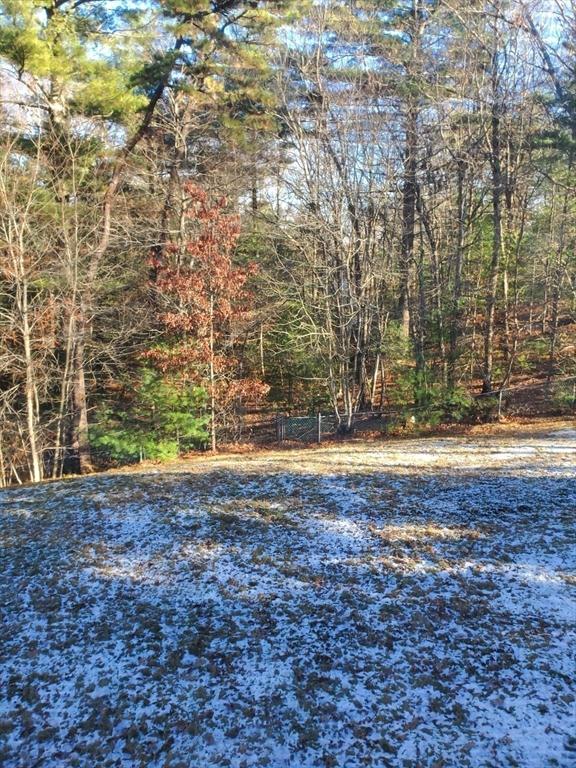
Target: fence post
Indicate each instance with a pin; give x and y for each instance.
(319, 428)
(500, 404)
(279, 427)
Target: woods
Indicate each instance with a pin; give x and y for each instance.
(209, 207)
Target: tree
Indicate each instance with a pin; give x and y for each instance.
(156, 419)
(91, 77)
(205, 301)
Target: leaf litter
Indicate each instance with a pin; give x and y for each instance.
(406, 604)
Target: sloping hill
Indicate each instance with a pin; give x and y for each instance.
(403, 604)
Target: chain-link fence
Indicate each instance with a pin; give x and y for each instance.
(548, 398)
(554, 397)
(541, 398)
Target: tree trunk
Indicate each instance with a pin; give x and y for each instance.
(497, 235)
(212, 380)
(31, 395)
(409, 189)
(58, 462)
(80, 436)
(408, 218)
(455, 312)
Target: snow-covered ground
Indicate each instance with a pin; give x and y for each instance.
(405, 605)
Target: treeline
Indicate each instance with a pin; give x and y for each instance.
(209, 207)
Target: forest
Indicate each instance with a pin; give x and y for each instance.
(213, 208)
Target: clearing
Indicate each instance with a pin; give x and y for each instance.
(408, 604)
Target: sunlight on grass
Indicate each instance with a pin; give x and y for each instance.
(408, 534)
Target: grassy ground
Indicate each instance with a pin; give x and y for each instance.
(406, 604)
